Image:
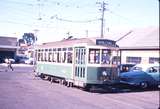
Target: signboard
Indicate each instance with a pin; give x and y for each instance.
(106, 42)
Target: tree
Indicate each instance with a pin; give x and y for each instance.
(29, 38)
(21, 41)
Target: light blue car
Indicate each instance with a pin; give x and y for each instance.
(143, 75)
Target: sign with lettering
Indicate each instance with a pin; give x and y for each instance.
(106, 42)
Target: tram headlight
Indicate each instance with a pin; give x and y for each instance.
(104, 76)
(104, 73)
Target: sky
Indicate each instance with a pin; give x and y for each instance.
(53, 20)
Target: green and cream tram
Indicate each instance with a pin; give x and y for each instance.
(78, 62)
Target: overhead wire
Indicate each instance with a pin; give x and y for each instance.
(76, 21)
(123, 17)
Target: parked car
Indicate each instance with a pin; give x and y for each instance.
(23, 59)
(29, 61)
(143, 75)
(125, 67)
(20, 59)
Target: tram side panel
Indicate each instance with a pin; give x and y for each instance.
(60, 71)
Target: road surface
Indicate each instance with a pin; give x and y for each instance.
(20, 89)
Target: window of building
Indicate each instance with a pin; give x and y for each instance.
(135, 60)
(154, 60)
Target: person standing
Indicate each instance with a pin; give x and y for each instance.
(9, 64)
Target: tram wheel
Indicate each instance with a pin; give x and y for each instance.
(87, 88)
(42, 76)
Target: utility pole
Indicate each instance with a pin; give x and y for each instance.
(102, 9)
(86, 33)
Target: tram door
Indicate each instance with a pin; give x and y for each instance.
(80, 65)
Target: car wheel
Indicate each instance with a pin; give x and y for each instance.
(144, 85)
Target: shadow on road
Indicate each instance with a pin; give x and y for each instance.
(121, 88)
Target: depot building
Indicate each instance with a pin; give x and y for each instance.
(8, 47)
(140, 46)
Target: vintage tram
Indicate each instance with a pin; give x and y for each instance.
(85, 62)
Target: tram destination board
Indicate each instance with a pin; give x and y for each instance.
(106, 42)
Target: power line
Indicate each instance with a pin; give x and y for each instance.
(76, 21)
(125, 18)
(18, 3)
(13, 22)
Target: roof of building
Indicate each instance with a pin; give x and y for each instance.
(146, 38)
(8, 41)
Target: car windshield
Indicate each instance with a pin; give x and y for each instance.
(136, 68)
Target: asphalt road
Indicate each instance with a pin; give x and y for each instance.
(19, 89)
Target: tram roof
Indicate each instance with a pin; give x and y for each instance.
(73, 42)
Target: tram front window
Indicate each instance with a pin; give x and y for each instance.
(97, 55)
(106, 54)
(69, 57)
(94, 56)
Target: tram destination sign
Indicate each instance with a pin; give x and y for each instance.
(106, 42)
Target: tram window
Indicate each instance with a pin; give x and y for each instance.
(42, 56)
(54, 56)
(50, 57)
(106, 54)
(76, 56)
(69, 57)
(83, 53)
(70, 49)
(94, 56)
(58, 57)
(63, 57)
(83, 73)
(39, 56)
(36, 54)
(76, 71)
(46, 56)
